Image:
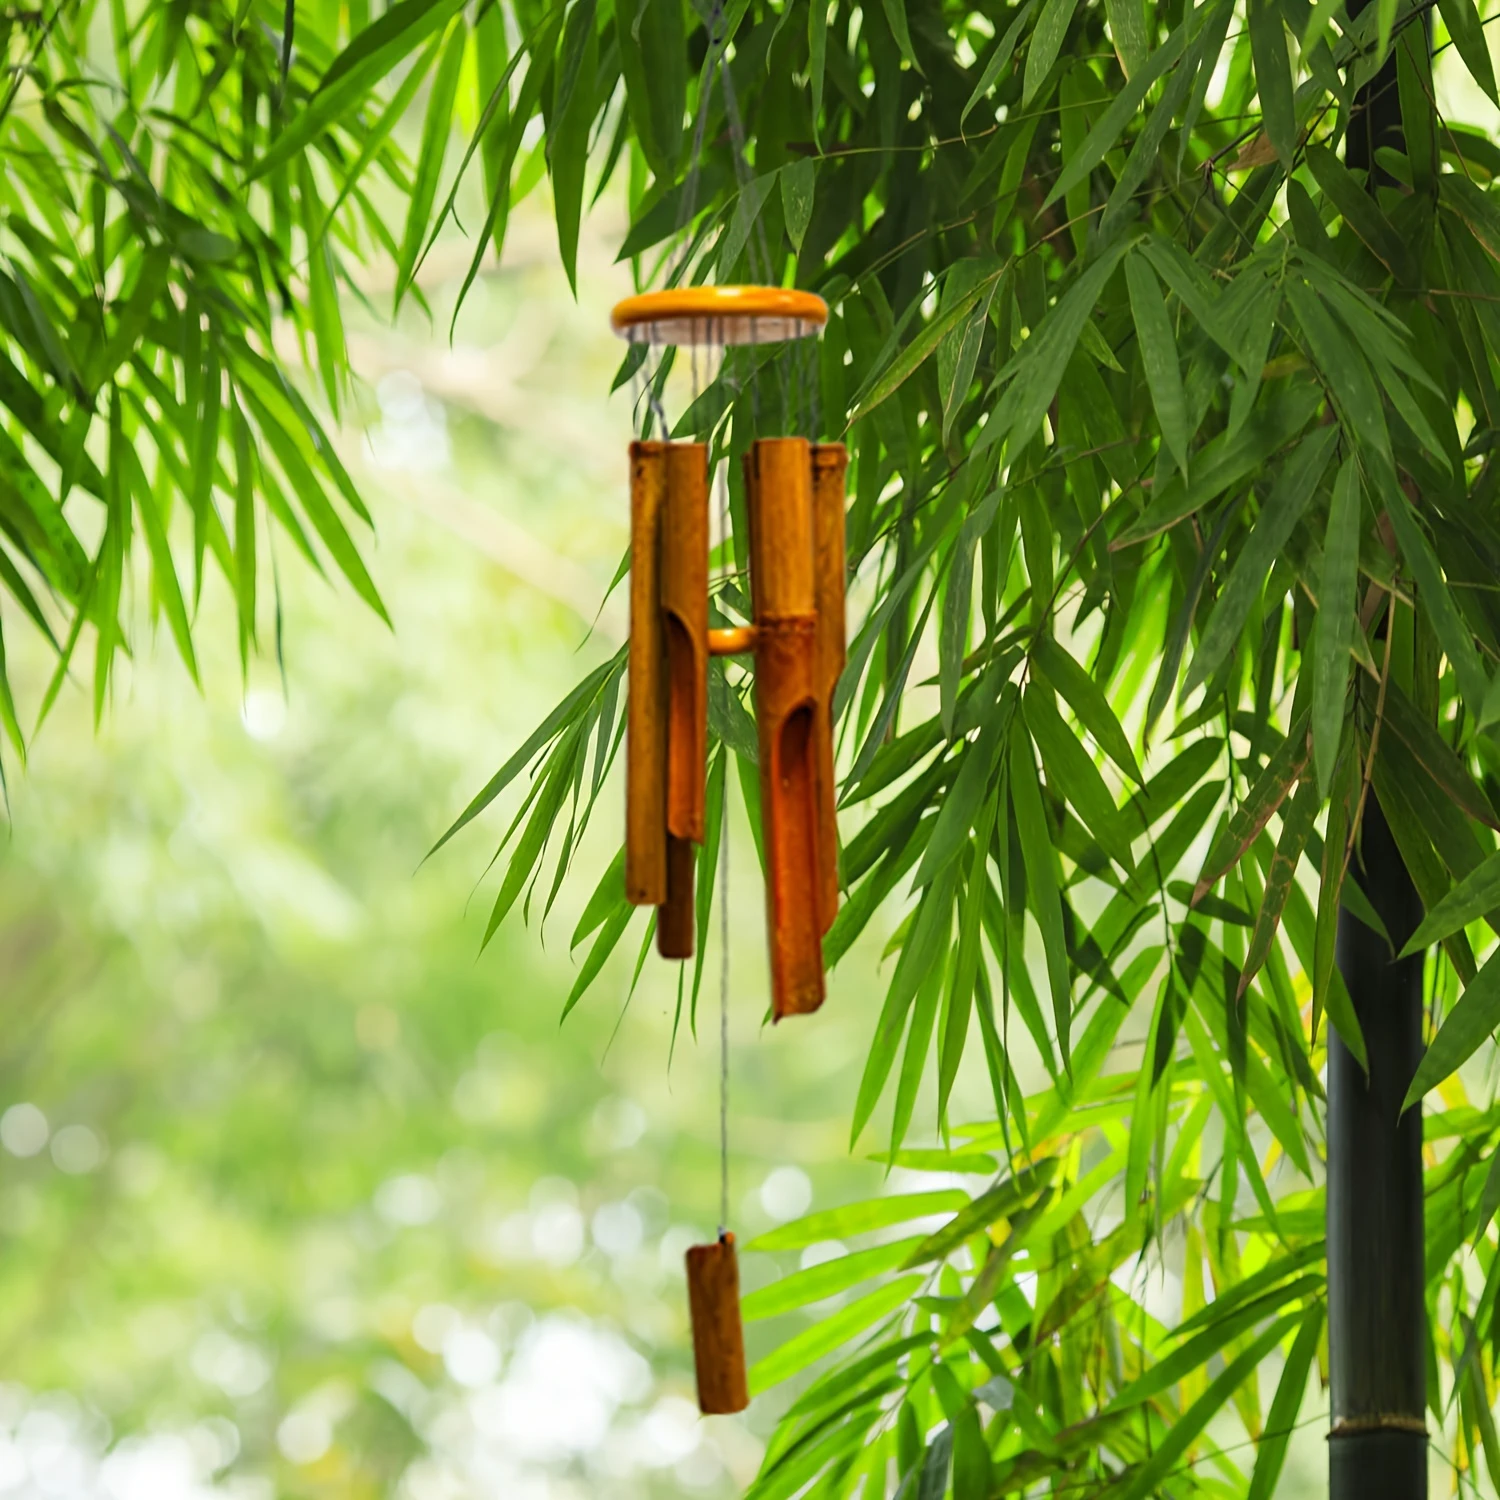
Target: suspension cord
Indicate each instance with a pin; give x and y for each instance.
(728, 567)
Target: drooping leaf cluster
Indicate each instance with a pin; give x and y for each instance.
(164, 240)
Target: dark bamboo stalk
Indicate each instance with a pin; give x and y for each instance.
(1377, 1316)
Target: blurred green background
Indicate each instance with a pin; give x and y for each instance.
(300, 1193)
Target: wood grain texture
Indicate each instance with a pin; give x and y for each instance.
(676, 917)
(646, 716)
(830, 464)
(778, 483)
(684, 607)
(713, 1279)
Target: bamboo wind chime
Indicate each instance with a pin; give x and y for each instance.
(794, 491)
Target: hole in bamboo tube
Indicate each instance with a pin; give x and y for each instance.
(685, 748)
(796, 938)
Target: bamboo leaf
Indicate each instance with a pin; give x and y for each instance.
(1337, 621)
(1281, 1421)
(1041, 881)
(1273, 78)
(1464, 1030)
(1475, 896)
(1284, 507)
(1046, 43)
(859, 1218)
(1159, 355)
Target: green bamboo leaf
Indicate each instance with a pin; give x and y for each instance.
(1046, 42)
(915, 353)
(1159, 355)
(1273, 78)
(1273, 785)
(573, 704)
(1290, 497)
(1461, 17)
(798, 182)
(1038, 370)
(1464, 1031)
(367, 59)
(1127, 30)
(1281, 1422)
(1296, 825)
(999, 59)
(966, 957)
(1475, 896)
(1088, 702)
(1223, 1326)
(1361, 213)
(998, 1202)
(1072, 774)
(859, 1218)
(925, 943)
(1147, 1477)
(1126, 105)
(653, 58)
(826, 1279)
(895, 14)
(437, 126)
(609, 937)
(573, 109)
(1337, 621)
(1041, 881)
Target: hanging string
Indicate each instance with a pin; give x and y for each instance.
(728, 569)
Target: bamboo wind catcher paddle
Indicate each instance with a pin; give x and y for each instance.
(795, 504)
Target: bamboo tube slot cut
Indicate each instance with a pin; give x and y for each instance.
(713, 1279)
(676, 921)
(646, 722)
(684, 612)
(830, 463)
(778, 475)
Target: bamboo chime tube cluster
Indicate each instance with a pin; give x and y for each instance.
(795, 491)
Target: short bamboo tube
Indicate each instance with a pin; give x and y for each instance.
(646, 722)
(713, 1279)
(778, 482)
(830, 463)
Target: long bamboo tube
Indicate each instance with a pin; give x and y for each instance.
(713, 1279)
(830, 464)
(778, 475)
(684, 607)
(646, 720)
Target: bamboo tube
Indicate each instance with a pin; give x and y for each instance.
(778, 474)
(713, 1278)
(646, 719)
(684, 607)
(675, 917)
(830, 463)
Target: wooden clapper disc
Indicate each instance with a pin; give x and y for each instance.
(713, 1278)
